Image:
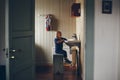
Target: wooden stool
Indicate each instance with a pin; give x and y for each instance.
(58, 64)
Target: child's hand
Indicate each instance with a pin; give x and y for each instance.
(60, 41)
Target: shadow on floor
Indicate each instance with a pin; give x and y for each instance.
(46, 73)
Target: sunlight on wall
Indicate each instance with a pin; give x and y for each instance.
(61, 10)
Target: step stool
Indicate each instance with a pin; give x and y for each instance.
(58, 64)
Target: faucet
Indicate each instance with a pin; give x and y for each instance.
(74, 36)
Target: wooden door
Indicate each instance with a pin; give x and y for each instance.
(19, 24)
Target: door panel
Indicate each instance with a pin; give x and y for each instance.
(21, 53)
(22, 19)
(25, 76)
(20, 43)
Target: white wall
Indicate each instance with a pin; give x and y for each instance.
(2, 32)
(80, 30)
(107, 33)
(61, 10)
(119, 47)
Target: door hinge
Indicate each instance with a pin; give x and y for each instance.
(6, 50)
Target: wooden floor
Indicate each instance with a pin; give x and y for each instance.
(46, 73)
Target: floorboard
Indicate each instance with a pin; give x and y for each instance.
(46, 73)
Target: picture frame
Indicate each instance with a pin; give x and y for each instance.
(107, 7)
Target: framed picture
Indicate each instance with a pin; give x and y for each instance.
(107, 7)
(75, 9)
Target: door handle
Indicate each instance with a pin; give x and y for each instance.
(12, 50)
(12, 57)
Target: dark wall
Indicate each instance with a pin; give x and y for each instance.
(2, 31)
(2, 72)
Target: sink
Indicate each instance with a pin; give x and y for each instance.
(77, 43)
(73, 43)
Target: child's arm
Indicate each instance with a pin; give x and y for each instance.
(60, 40)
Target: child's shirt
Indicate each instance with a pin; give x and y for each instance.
(59, 45)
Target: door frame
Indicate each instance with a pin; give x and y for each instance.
(7, 36)
(89, 40)
(89, 37)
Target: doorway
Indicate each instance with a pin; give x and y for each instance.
(61, 12)
(89, 39)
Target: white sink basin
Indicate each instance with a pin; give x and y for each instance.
(73, 43)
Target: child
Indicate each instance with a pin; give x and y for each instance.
(59, 46)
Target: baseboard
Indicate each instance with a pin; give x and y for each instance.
(2, 72)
